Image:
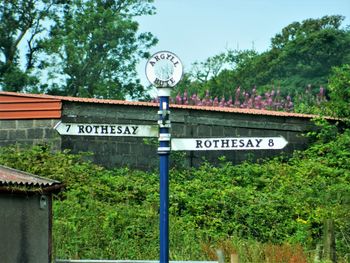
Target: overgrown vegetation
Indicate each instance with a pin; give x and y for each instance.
(272, 211)
(300, 59)
(267, 212)
(79, 48)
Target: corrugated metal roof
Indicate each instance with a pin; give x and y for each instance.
(151, 104)
(10, 176)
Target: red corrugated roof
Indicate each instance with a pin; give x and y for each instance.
(9, 176)
(151, 104)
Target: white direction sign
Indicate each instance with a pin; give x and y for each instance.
(240, 143)
(93, 129)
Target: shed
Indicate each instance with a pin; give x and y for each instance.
(25, 216)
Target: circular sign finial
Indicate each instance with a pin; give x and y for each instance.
(164, 69)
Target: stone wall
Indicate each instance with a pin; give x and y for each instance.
(29, 132)
(186, 123)
(194, 124)
(141, 153)
(112, 151)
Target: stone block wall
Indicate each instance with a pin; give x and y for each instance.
(29, 132)
(206, 124)
(186, 123)
(108, 150)
(141, 153)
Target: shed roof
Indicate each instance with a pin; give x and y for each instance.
(13, 177)
(54, 108)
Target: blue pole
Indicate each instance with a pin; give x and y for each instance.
(164, 151)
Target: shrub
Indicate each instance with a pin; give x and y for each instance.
(113, 214)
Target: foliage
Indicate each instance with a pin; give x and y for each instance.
(250, 251)
(311, 48)
(216, 74)
(80, 48)
(339, 86)
(114, 213)
(308, 102)
(271, 100)
(22, 24)
(302, 53)
(95, 47)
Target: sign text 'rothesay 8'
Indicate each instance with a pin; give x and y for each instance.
(240, 143)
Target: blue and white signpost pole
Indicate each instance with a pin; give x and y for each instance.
(164, 152)
(164, 70)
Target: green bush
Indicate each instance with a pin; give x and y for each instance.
(339, 86)
(114, 213)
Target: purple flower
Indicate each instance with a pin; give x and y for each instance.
(222, 102)
(178, 99)
(216, 102)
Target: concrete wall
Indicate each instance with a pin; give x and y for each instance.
(112, 151)
(141, 153)
(135, 152)
(24, 229)
(195, 124)
(29, 132)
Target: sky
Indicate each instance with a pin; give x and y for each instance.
(197, 29)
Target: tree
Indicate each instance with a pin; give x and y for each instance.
(95, 47)
(339, 87)
(217, 74)
(307, 27)
(22, 23)
(302, 53)
(198, 78)
(309, 50)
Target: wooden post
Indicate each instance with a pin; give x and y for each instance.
(234, 258)
(221, 256)
(318, 251)
(329, 252)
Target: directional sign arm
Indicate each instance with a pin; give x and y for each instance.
(240, 143)
(98, 129)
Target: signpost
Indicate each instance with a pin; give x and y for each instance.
(164, 70)
(93, 129)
